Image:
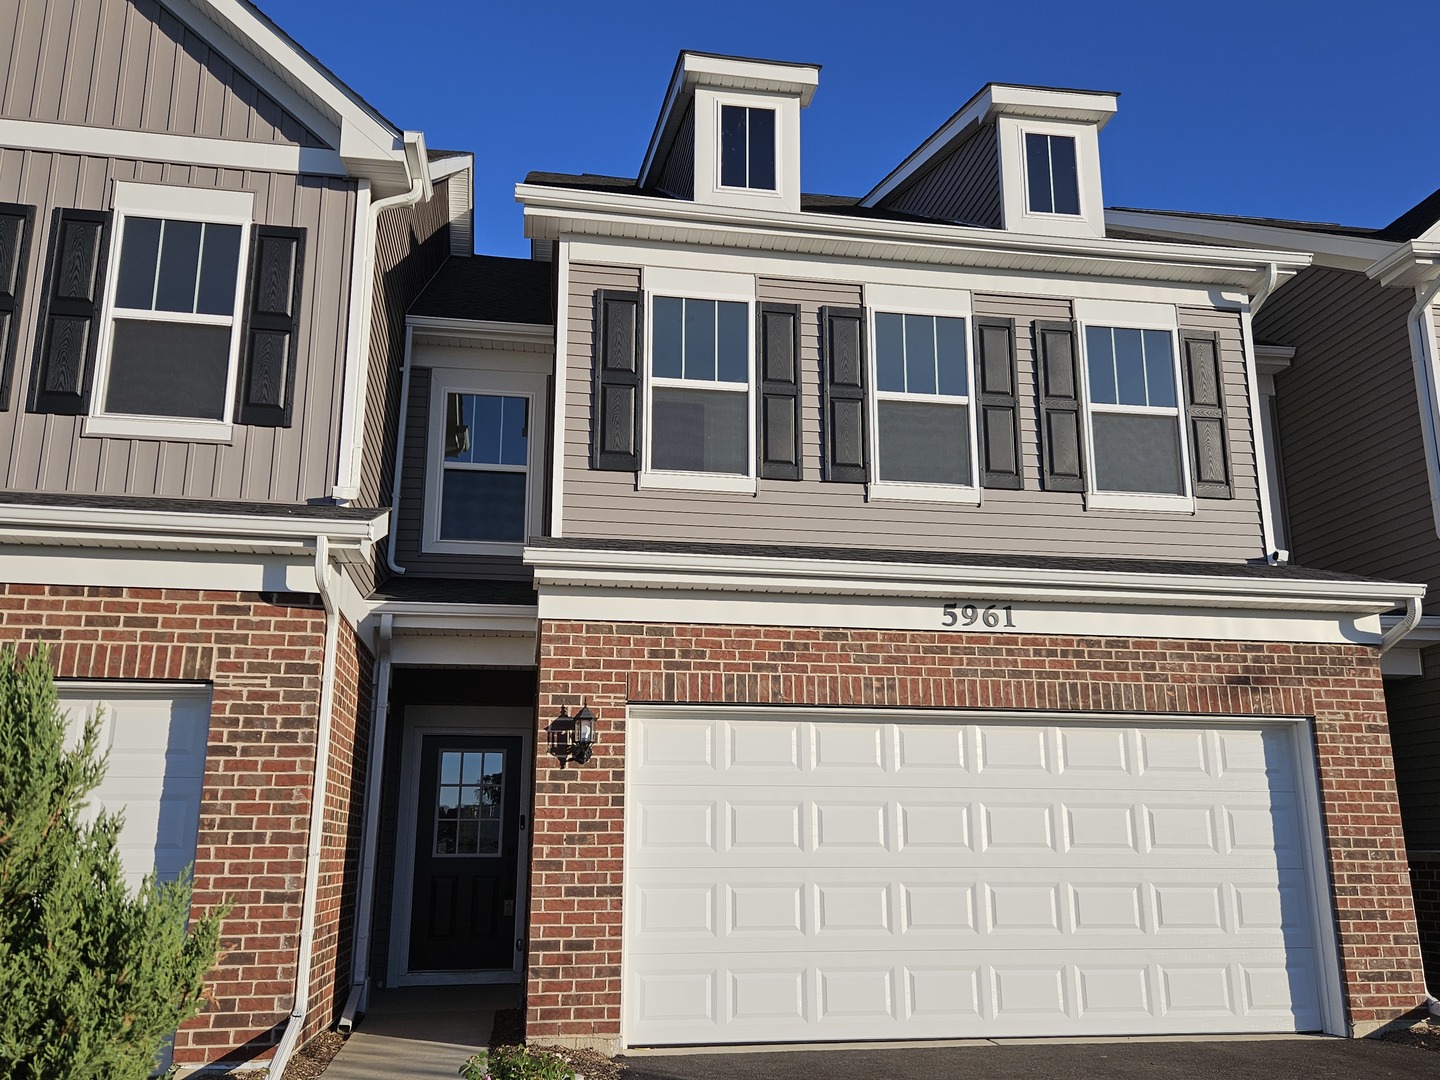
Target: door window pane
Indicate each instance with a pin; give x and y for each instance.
(470, 802)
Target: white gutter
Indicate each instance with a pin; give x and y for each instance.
(360, 329)
(103, 521)
(295, 1026)
(395, 567)
(370, 831)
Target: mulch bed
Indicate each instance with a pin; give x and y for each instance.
(1424, 1035)
(312, 1059)
(509, 1030)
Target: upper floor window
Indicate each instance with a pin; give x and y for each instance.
(1135, 421)
(482, 494)
(1052, 183)
(922, 406)
(747, 147)
(700, 386)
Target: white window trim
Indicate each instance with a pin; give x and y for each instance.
(445, 381)
(176, 204)
(746, 103)
(941, 303)
(1057, 132)
(698, 285)
(1132, 316)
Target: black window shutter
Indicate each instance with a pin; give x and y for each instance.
(16, 225)
(272, 321)
(842, 347)
(69, 320)
(615, 399)
(779, 399)
(1061, 443)
(999, 402)
(1205, 415)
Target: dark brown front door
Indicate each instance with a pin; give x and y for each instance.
(462, 915)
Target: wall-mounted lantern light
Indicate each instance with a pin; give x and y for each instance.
(571, 737)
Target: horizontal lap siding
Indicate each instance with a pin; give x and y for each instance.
(678, 175)
(129, 64)
(964, 185)
(1413, 705)
(606, 504)
(47, 453)
(1349, 427)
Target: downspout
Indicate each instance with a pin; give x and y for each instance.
(1408, 622)
(352, 435)
(370, 832)
(395, 567)
(1261, 294)
(295, 1026)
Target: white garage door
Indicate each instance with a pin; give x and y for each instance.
(794, 879)
(156, 739)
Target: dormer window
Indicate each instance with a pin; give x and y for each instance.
(1052, 181)
(747, 147)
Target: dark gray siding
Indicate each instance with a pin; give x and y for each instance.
(962, 185)
(678, 176)
(408, 529)
(811, 512)
(1414, 708)
(1357, 491)
(295, 464)
(129, 64)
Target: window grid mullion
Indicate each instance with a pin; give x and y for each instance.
(476, 466)
(155, 280)
(199, 265)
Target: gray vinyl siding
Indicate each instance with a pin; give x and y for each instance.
(963, 185)
(678, 176)
(129, 64)
(408, 529)
(1414, 708)
(287, 465)
(1357, 491)
(811, 512)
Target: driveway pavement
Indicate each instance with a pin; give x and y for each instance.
(1229, 1059)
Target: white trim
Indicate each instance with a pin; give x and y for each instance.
(1127, 313)
(1269, 514)
(1327, 249)
(960, 494)
(484, 380)
(698, 284)
(454, 649)
(695, 481)
(484, 721)
(555, 213)
(99, 521)
(1131, 501)
(177, 428)
(355, 358)
(919, 300)
(484, 329)
(1089, 221)
(647, 571)
(560, 390)
(199, 150)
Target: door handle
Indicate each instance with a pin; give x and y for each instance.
(520, 945)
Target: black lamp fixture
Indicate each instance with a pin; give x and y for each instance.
(571, 737)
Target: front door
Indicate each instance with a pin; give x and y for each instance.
(462, 915)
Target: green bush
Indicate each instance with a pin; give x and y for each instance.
(517, 1063)
(92, 978)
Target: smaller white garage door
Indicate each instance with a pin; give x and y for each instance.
(156, 739)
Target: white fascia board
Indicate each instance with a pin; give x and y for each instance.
(1408, 264)
(564, 213)
(449, 166)
(160, 146)
(692, 571)
(1327, 249)
(135, 569)
(483, 329)
(158, 526)
(429, 617)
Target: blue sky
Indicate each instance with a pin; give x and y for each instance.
(1314, 110)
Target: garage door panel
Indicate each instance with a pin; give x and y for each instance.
(930, 880)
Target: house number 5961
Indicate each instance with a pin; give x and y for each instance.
(990, 616)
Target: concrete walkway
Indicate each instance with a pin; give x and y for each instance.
(419, 1032)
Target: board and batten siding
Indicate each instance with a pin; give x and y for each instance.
(1356, 486)
(678, 176)
(131, 65)
(963, 185)
(42, 452)
(606, 505)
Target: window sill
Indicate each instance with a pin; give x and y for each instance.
(1113, 500)
(890, 489)
(171, 429)
(678, 481)
(473, 547)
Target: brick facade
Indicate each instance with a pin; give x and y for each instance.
(574, 984)
(264, 664)
(1425, 882)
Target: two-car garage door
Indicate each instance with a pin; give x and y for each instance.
(795, 877)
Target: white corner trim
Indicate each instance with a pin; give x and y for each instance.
(1269, 515)
(160, 146)
(558, 391)
(356, 355)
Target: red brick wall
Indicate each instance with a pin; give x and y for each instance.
(575, 919)
(1425, 881)
(264, 663)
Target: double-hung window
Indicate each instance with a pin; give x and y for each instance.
(923, 419)
(172, 338)
(481, 492)
(701, 416)
(1135, 419)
